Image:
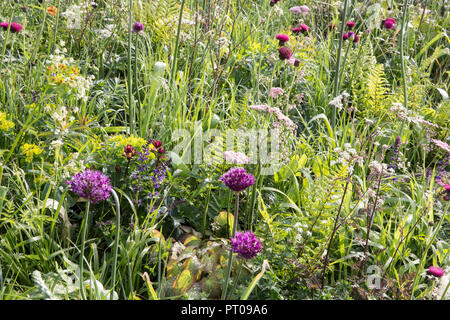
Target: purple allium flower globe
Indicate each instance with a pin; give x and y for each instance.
(92, 185)
(246, 245)
(237, 179)
(284, 53)
(138, 27)
(436, 271)
(283, 38)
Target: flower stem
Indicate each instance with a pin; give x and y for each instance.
(116, 242)
(402, 58)
(230, 259)
(338, 62)
(83, 240)
(130, 84)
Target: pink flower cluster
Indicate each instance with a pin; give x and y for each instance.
(235, 157)
(275, 92)
(300, 10)
(441, 144)
(290, 125)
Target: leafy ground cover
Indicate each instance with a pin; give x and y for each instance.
(230, 149)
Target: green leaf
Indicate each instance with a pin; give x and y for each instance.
(183, 282)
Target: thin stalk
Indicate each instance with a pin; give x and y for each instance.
(205, 214)
(6, 37)
(338, 62)
(116, 240)
(175, 56)
(230, 259)
(136, 75)
(237, 277)
(369, 225)
(130, 83)
(402, 58)
(336, 226)
(56, 23)
(83, 240)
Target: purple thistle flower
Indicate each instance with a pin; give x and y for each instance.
(138, 27)
(350, 25)
(436, 271)
(15, 27)
(304, 28)
(282, 38)
(389, 23)
(237, 179)
(356, 39)
(284, 53)
(92, 185)
(246, 245)
(345, 36)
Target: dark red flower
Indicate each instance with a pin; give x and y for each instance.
(128, 151)
(350, 24)
(345, 36)
(161, 150)
(356, 39)
(156, 143)
(296, 30)
(284, 53)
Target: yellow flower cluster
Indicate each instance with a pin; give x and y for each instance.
(30, 150)
(61, 73)
(120, 141)
(5, 125)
